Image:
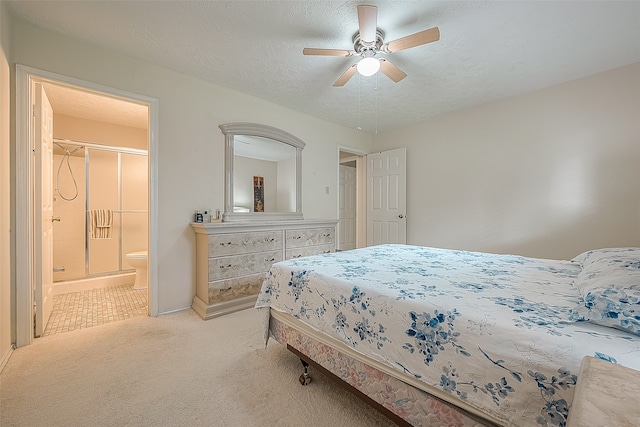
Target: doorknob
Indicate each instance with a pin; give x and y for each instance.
(55, 218)
(400, 216)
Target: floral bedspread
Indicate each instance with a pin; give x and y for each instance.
(491, 330)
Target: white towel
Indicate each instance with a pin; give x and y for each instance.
(100, 223)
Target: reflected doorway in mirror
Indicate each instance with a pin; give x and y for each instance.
(258, 194)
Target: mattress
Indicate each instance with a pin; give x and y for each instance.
(490, 332)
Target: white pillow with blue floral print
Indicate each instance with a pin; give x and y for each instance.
(609, 287)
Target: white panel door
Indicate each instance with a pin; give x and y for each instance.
(347, 214)
(43, 167)
(386, 197)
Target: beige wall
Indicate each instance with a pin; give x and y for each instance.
(191, 147)
(6, 306)
(286, 185)
(551, 173)
(79, 129)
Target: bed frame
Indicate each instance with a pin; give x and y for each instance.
(402, 399)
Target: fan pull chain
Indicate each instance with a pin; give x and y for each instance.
(376, 104)
(359, 103)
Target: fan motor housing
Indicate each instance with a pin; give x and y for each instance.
(360, 46)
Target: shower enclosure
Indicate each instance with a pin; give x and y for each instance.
(97, 181)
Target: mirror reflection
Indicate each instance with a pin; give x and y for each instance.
(264, 175)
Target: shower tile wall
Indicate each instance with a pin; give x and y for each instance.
(68, 233)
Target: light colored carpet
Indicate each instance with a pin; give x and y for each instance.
(172, 370)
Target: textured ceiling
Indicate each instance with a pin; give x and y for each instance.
(87, 105)
(488, 49)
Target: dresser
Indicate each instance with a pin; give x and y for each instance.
(233, 258)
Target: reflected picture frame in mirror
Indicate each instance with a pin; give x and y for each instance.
(259, 153)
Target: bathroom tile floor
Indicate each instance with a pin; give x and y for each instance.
(93, 307)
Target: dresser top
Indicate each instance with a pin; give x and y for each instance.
(230, 227)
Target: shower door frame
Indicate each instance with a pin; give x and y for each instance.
(24, 221)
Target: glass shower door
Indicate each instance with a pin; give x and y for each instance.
(103, 216)
(135, 202)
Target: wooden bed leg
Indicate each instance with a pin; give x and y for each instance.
(305, 378)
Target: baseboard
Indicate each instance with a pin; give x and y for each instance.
(6, 357)
(174, 310)
(209, 311)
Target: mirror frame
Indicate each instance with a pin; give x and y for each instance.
(230, 130)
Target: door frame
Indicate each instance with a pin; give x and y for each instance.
(24, 201)
(361, 192)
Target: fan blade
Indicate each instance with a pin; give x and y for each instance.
(344, 78)
(417, 39)
(391, 71)
(326, 52)
(368, 22)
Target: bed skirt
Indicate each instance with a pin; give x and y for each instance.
(409, 403)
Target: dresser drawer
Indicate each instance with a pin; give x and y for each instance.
(310, 250)
(309, 237)
(237, 287)
(242, 243)
(242, 265)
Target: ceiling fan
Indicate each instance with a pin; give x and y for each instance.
(368, 43)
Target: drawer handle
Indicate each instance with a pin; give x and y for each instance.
(327, 235)
(270, 260)
(223, 243)
(225, 266)
(269, 240)
(298, 237)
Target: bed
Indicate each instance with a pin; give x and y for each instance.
(447, 337)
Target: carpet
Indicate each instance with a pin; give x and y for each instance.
(171, 370)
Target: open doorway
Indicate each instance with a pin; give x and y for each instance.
(351, 200)
(100, 209)
(92, 205)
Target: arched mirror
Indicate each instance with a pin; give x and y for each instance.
(263, 173)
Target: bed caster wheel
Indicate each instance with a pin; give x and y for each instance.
(304, 379)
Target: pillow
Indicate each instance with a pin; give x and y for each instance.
(609, 288)
(589, 257)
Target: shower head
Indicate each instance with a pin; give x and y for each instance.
(67, 151)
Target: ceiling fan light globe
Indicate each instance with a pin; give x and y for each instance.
(368, 66)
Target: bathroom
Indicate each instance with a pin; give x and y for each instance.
(100, 209)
